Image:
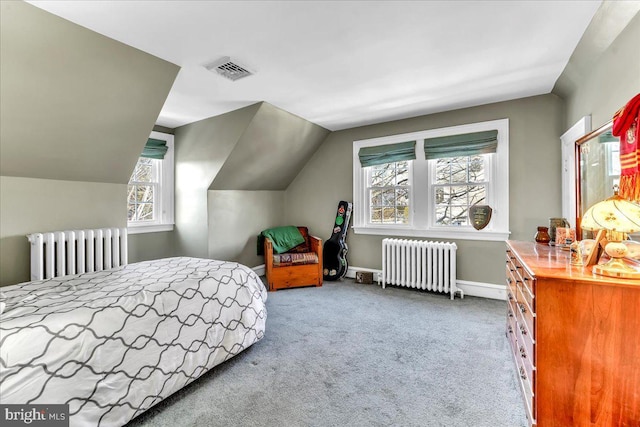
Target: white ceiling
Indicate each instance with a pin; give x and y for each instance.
(349, 63)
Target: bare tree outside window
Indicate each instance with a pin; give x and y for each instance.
(389, 193)
(431, 197)
(461, 182)
(142, 189)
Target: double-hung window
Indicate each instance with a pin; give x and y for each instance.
(150, 190)
(388, 188)
(458, 184)
(387, 169)
(427, 186)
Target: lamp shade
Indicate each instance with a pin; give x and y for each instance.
(613, 214)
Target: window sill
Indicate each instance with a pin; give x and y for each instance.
(494, 236)
(148, 228)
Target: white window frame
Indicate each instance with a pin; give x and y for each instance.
(421, 224)
(488, 173)
(368, 198)
(163, 198)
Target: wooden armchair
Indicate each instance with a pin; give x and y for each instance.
(301, 266)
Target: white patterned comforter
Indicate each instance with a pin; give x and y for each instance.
(113, 343)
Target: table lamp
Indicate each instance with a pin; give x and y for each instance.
(616, 216)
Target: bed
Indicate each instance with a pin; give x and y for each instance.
(113, 343)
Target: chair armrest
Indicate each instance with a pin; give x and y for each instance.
(268, 254)
(316, 244)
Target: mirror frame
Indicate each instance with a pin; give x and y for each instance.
(579, 142)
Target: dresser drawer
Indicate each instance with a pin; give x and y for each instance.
(511, 314)
(524, 276)
(512, 281)
(512, 328)
(525, 315)
(512, 306)
(527, 390)
(526, 286)
(526, 348)
(524, 281)
(521, 271)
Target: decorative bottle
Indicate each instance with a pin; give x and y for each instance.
(542, 235)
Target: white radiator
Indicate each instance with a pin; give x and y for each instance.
(59, 253)
(420, 264)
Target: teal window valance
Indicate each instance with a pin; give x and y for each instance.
(389, 153)
(154, 149)
(468, 144)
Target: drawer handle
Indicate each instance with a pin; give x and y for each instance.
(523, 353)
(509, 280)
(510, 297)
(523, 374)
(523, 330)
(523, 309)
(510, 314)
(510, 329)
(526, 278)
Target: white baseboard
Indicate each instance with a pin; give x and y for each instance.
(483, 290)
(259, 269)
(475, 289)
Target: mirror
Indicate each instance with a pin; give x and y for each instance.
(597, 170)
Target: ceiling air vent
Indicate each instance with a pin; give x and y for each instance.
(229, 69)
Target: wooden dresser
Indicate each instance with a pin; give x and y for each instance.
(575, 338)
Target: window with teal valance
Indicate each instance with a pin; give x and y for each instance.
(389, 153)
(468, 144)
(154, 149)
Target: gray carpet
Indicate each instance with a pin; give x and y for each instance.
(348, 354)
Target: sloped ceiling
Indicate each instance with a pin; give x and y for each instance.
(203, 147)
(75, 105)
(607, 24)
(271, 152)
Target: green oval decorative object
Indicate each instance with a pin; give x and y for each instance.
(339, 220)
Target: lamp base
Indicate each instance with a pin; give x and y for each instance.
(616, 268)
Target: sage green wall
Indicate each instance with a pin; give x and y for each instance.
(599, 82)
(31, 205)
(75, 105)
(201, 148)
(76, 109)
(146, 246)
(535, 125)
(231, 171)
(237, 217)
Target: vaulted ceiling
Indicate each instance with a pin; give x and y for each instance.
(348, 63)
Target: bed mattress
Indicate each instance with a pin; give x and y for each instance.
(113, 343)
